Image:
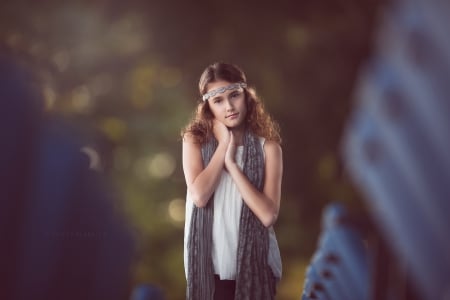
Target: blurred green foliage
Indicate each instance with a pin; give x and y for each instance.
(127, 71)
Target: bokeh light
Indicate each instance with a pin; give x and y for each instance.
(161, 165)
(176, 210)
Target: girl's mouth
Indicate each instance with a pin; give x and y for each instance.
(232, 116)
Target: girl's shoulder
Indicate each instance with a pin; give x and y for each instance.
(271, 143)
(189, 137)
(271, 147)
(195, 137)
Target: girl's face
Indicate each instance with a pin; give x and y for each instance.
(228, 107)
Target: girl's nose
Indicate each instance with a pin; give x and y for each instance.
(229, 105)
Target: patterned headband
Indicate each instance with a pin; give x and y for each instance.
(222, 89)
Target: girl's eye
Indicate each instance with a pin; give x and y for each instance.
(217, 100)
(234, 95)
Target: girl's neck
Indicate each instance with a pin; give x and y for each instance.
(238, 135)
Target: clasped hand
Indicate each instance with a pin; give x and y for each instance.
(226, 137)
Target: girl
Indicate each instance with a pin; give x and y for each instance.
(232, 162)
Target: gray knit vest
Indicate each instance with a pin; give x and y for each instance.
(254, 277)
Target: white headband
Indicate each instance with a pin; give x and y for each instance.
(222, 89)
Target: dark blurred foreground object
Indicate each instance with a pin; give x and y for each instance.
(397, 150)
(147, 292)
(339, 268)
(61, 236)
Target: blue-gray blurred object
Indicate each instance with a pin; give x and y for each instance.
(147, 292)
(397, 144)
(60, 234)
(313, 287)
(339, 268)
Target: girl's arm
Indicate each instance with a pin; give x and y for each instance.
(265, 205)
(202, 182)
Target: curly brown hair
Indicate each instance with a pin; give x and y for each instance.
(259, 122)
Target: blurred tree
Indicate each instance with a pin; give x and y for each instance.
(130, 69)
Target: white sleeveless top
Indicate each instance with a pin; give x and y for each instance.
(227, 212)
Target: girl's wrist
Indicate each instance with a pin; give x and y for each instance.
(231, 165)
(222, 144)
(224, 140)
